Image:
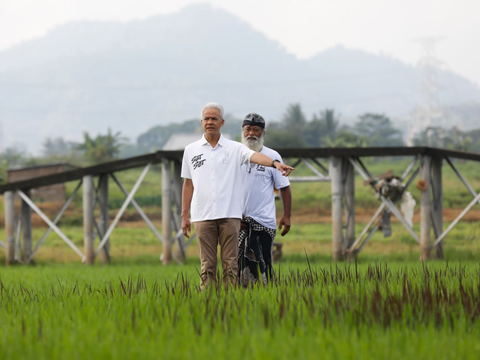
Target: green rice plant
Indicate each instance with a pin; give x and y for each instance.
(369, 310)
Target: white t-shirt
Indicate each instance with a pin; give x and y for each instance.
(215, 173)
(259, 182)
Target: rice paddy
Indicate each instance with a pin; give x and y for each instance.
(311, 310)
(387, 306)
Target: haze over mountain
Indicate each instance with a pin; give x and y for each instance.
(88, 76)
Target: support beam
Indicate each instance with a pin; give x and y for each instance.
(138, 208)
(9, 228)
(57, 218)
(177, 190)
(120, 212)
(425, 209)
(103, 222)
(26, 219)
(349, 203)
(166, 211)
(337, 197)
(437, 212)
(88, 236)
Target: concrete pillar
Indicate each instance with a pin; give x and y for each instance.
(26, 219)
(88, 236)
(177, 189)
(9, 228)
(166, 211)
(350, 203)
(437, 163)
(103, 222)
(337, 197)
(425, 209)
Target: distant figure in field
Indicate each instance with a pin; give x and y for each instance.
(258, 227)
(212, 190)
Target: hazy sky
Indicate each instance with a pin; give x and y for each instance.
(303, 27)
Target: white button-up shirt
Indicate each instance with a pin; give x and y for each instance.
(259, 183)
(215, 173)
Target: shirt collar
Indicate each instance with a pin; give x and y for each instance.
(221, 141)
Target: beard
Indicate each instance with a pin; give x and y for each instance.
(253, 142)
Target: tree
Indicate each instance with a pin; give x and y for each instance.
(345, 137)
(103, 148)
(322, 130)
(289, 132)
(454, 138)
(294, 120)
(378, 130)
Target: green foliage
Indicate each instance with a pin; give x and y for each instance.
(454, 138)
(101, 149)
(324, 130)
(377, 130)
(289, 132)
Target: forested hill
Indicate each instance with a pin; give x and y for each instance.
(88, 76)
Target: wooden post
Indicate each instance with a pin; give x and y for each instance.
(103, 222)
(26, 219)
(437, 163)
(177, 188)
(337, 197)
(425, 208)
(166, 211)
(88, 237)
(350, 203)
(9, 228)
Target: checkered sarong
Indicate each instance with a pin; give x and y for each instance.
(255, 252)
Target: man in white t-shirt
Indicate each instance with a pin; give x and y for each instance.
(212, 190)
(259, 219)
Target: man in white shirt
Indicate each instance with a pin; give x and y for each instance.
(212, 190)
(259, 219)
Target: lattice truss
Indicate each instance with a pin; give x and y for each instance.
(318, 171)
(429, 169)
(18, 227)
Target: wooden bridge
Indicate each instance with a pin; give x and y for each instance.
(337, 165)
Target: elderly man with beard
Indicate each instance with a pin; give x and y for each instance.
(259, 219)
(212, 169)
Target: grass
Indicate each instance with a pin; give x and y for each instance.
(387, 305)
(146, 311)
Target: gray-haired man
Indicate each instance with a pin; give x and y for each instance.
(212, 191)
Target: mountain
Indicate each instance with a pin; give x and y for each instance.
(88, 76)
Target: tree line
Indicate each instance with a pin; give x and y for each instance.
(292, 130)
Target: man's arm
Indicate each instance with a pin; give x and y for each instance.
(264, 160)
(187, 194)
(286, 196)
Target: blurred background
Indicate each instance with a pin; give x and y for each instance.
(87, 81)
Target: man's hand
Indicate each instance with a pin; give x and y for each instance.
(284, 169)
(285, 224)
(186, 227)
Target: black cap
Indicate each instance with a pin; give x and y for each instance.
(255, 120)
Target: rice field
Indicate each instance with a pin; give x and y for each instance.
(387, 306)
(313, 309)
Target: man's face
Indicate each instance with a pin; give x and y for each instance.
(212, 121)
(252, 132)
(252, 136)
